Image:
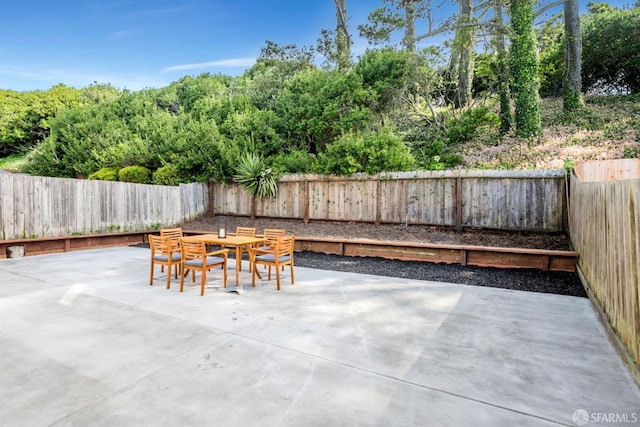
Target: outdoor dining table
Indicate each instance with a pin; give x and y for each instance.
(237, 241)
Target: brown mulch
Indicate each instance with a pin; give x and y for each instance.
(390, 232)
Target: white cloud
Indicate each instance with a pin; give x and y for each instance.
(223, 63)
(44, 78)
(116, 35)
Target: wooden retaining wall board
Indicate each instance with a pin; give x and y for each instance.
(509, 200)
(605, 228)
(483, 256)
(437, 253)
(47, 245)
(33, 206)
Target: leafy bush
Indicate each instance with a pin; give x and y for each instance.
(469, 125)
(166, 175)
(371, 153)
(434, 155)
(136, 174)
(296, 161)
(105, 174)
(610, 49)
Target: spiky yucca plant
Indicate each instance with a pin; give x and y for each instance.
(259, 180)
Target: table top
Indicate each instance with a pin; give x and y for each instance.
(229, 240)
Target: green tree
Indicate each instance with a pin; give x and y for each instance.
(611, 49)
(26, 116)
(392, 77)
(336, 45)
(402, 15)
(318, 106)
(551, 65)
(275, 67)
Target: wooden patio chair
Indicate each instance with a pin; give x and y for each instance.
(279, 254)
(164, 251)
(272, 234)
(196, 258)
(172, 233)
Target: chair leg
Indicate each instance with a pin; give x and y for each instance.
(291, 265)
(169, 269)
(151, 274)
(224, 274)
(204, 281)
(182, 280)
(277, 276)
(253, 277)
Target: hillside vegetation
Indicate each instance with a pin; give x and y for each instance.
(608, 127)
(391, 110)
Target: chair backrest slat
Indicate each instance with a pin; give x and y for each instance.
(163, 245)
(284, 245)
(192, 250)
(246, 231)
(272, 234)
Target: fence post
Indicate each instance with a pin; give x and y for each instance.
(459, 203)
(378, 201)
(306, 201)
(211, 189)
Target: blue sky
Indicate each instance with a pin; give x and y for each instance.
(136, 44)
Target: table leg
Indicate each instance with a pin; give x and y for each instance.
(238, 264)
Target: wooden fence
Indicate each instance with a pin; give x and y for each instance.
(32, 206)
(604, 222)
(509, 200)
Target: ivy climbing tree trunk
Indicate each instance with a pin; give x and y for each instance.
(573, 59)
(502, 69)
(524, 69)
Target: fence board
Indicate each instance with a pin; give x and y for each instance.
(604, 222)
(511, 200)
(50, 207)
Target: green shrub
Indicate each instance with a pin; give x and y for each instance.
(631, 152)
(166, 175)
(136, 174)
(372, 153)
(295, 161)
(469, 125)
(105, 174)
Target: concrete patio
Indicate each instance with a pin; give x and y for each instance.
(87, 342)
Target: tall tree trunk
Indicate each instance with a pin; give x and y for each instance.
(343, 41)
(502, 70)
(573, 57)
(462, 55)
(409, 39)
(524, 68)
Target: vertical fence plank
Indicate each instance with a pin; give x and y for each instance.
(604, 221)
(47, 207)
(490, 199)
